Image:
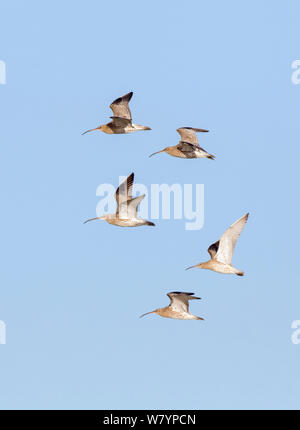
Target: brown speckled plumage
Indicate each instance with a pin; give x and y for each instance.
(121, 121)
(178, 307)
(127, 207)
(188, 147)
(221, 251)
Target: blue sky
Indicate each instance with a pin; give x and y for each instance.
(71, 294)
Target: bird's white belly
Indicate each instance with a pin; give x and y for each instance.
(224, 268)
(187, 316)
(199, 154)
(125, 222)
(182, 316)
(130, 128)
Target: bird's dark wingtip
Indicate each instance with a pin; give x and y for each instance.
(150, 223)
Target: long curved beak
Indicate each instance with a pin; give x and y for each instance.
(93, 219)
(156, 153)
(92, 129)
(191, 267)
(147, 313)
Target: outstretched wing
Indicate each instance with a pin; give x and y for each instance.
(119, 122)
(188, 134)
(124, 191)
(188, 149)
(191, 150)
(128, 210)
(213, 249)
(180, 300)
(120, 107)
(228, 240)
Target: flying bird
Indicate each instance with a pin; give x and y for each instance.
(221, 251)
(121, 120)
(127, 207)
(188, 147)
(178, 307)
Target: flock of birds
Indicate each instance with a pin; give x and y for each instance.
(126, 215)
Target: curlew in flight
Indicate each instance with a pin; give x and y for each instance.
(221, 251)
(121, 121)
(188, 147)
(178, 307)
(127, 207)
